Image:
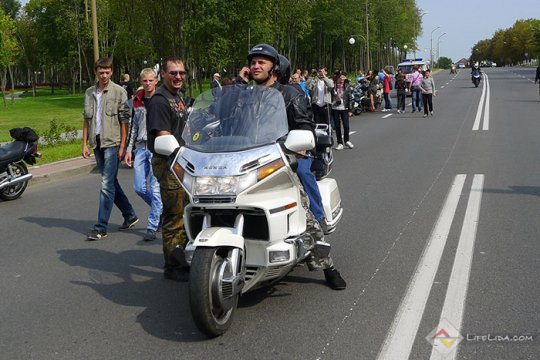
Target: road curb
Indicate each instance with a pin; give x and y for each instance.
(61, 170)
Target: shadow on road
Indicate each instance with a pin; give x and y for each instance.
(517, 190)
(134, 278)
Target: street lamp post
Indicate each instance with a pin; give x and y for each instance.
(431, 47)
(352, 40)
(405, 50)
(438, 43)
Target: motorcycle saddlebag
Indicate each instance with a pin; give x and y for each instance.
(24, 134)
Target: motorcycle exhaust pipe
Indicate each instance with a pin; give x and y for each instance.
(12, 182)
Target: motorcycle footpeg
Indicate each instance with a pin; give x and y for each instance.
(180, 255)
(321, 249)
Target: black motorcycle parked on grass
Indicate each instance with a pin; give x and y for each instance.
(14, 175)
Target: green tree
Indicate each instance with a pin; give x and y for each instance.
(8, 50)
(444, 62)
(10, 7)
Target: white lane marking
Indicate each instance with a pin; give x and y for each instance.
(400, 339)
(454, 302)
(385, 116)
(486, 109)
(476, 124)
(352, 132)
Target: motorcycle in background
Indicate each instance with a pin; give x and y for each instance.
(361, 100)
(14, 175)
(476, 75)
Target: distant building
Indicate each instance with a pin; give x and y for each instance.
(462, 63)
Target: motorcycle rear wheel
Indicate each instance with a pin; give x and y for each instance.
(212, 307)
(15, 191)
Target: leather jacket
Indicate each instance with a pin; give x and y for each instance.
(296, 105)
(346, 97)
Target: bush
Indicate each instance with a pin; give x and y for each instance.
(58, 132)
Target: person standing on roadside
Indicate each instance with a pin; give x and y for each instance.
(216, 85)
(320, 88)
(145, 183)
(297, 83)
(166, 115)
(105, 127)
(537, 78)
(341, 110)
(415, 79)
(427, 86)
(387, 87)
(126, 84)
(401, 88)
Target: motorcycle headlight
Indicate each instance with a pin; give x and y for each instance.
(223, 185)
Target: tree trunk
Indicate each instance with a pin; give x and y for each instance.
(10, 70)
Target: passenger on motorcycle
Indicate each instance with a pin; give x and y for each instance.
(265, 70)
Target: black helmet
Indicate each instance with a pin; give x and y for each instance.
(283, 70)
(266, 51)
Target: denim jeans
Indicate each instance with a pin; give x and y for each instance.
(416, 98)
(146, 185)
(310, 186)
(387, 101)
(111, 191)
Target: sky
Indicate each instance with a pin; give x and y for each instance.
(467, 22)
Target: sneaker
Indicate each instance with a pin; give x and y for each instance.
(399, 111)
(150, 235)
(431, 113)
(334, 279)
(339, 147)
(413, 111)
(349, 144)
(180, 274)
(425, 115)
(96, 235)
(384, 110)
(128, 224)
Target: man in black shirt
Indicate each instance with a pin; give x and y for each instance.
(166, 115)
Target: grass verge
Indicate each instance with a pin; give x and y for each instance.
(60, 151)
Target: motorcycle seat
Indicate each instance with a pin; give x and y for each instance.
(12, 151)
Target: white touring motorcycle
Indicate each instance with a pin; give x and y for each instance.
(245, 221)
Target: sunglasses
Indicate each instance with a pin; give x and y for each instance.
(181, 73)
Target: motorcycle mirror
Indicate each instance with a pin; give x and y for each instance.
(300, 140)
(166, 145)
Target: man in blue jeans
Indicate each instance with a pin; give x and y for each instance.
(145, 183)
(105, 127)
(415, 79)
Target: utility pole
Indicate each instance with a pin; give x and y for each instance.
(95, 30)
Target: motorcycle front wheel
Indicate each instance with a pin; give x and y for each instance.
(210, 297)
(15, 191)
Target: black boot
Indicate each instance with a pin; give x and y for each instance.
(178, 273)
(334, 279)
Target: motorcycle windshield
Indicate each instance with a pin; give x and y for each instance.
(235, 118)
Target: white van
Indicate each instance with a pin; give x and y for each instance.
(407, 65)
